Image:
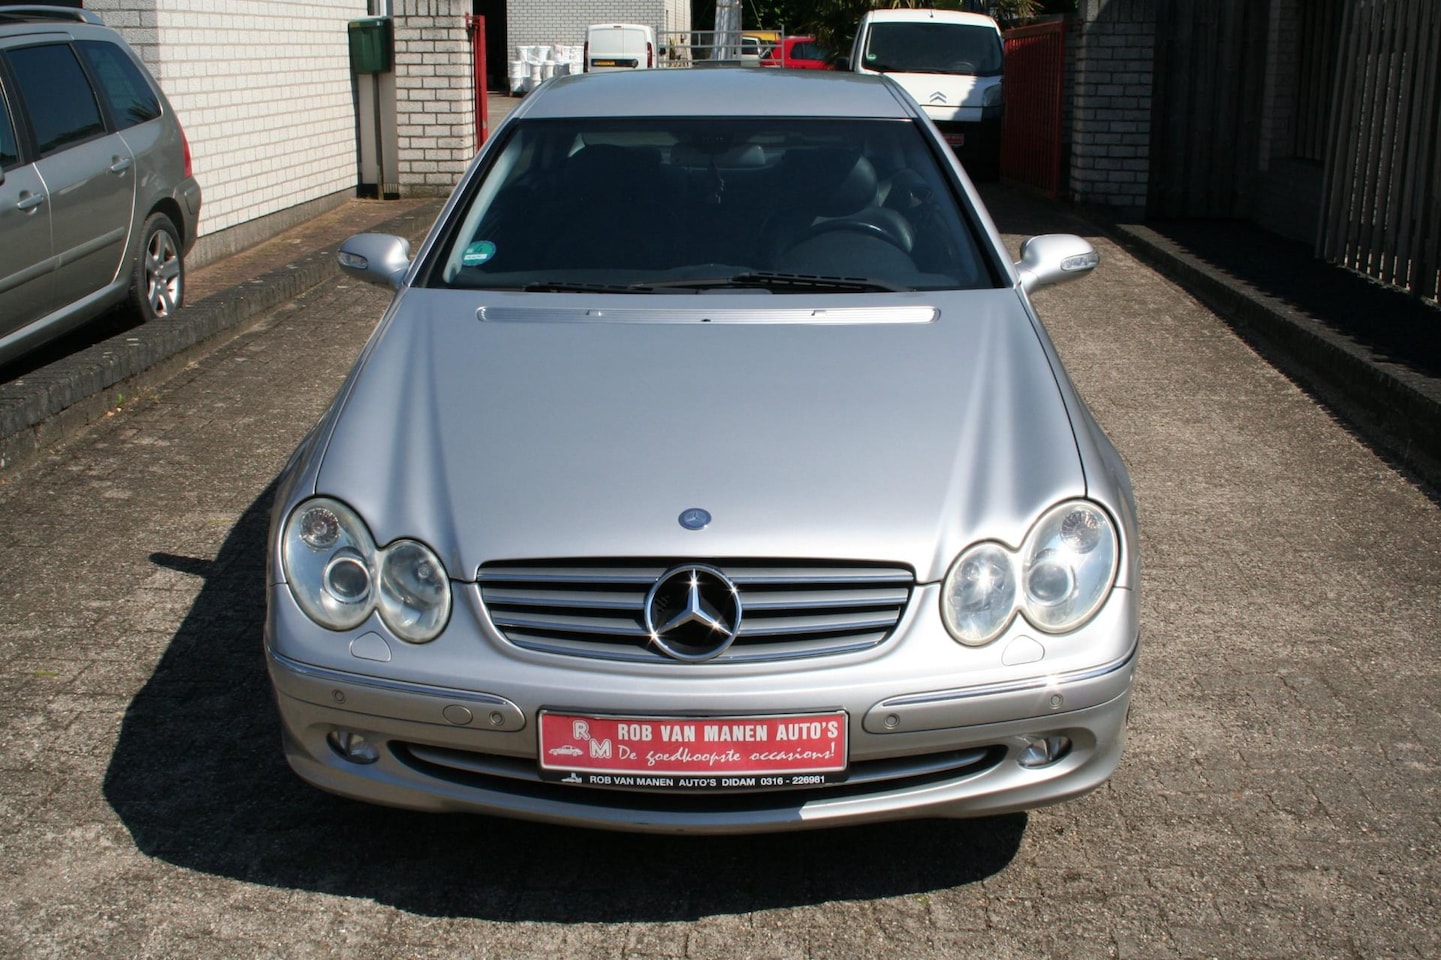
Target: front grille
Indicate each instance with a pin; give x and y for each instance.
(789, 609)
(516, 777)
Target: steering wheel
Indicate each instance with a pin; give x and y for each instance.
(893, 229)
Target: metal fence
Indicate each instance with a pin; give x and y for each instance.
(1381, 211)
(1034, 84)
(689, 48)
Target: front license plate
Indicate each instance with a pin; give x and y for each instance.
(693, 753)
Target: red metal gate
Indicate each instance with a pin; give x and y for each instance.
(475, 29)
(1035, 82)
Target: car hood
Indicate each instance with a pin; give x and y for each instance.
(557, 433)
(944, 91)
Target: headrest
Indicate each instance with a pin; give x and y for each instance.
(605, 167)
(830, 181)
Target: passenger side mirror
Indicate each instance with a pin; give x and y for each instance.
(377, 258)
(1054, 258)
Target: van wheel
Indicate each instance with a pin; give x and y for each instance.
(157, 288)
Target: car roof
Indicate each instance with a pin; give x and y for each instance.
(717, 92)
(948, 16)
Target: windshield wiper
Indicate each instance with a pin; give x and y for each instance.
(766, 280)
(575, 286)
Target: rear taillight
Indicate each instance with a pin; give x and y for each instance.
(585, 58)
(185, 150)
(650, 55)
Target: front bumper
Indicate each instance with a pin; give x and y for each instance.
(917, 749)
(976, 142)
(187, 198)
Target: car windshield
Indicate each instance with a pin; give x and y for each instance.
(923, 46)
(654, 205)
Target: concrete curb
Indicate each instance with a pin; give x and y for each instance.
(58, 400)
(1391, 406)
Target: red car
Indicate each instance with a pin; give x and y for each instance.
(798, 53)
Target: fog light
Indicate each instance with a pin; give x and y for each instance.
(1042, 751)
(353, 746)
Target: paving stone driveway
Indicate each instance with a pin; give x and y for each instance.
(1279, 797)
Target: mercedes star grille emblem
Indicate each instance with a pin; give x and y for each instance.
(695, 518)
(693, 612)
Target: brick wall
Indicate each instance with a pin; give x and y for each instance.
(434, 95)
(1278, 104)
(1111, 118)
(1288, 190)
(263, 90)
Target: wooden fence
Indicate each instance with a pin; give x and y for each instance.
(1381, 210)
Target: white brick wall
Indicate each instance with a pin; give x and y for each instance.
(263, 90)
(434, 95)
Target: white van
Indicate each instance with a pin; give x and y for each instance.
(951, 63)
(619, 46)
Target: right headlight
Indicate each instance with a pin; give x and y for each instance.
(339, 577)
(1057, 580)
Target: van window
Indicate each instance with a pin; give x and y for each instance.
(122, 85)
(57, 96)
(927, 46)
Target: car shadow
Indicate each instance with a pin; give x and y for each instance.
(1019, 212)
(199, 780)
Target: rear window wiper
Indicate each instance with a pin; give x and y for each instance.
(766, 280)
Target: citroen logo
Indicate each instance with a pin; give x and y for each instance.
(938, 97)
(693, 612)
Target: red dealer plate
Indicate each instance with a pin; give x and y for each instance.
(693, 753)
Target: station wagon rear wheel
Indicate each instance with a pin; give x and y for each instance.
(157, 288)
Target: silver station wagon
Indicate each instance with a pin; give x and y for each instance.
(98, 203)
(709, 472)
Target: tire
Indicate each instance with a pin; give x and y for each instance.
(157, 284)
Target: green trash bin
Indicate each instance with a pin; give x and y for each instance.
(370, 45)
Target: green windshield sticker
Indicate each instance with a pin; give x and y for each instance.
(477, 253)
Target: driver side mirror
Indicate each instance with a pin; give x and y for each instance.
(376, 258)
(1054, 258)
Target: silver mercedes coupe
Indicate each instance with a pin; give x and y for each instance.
(709, 472)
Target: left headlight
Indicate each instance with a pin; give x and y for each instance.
(1057, 580)
(339, 577)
